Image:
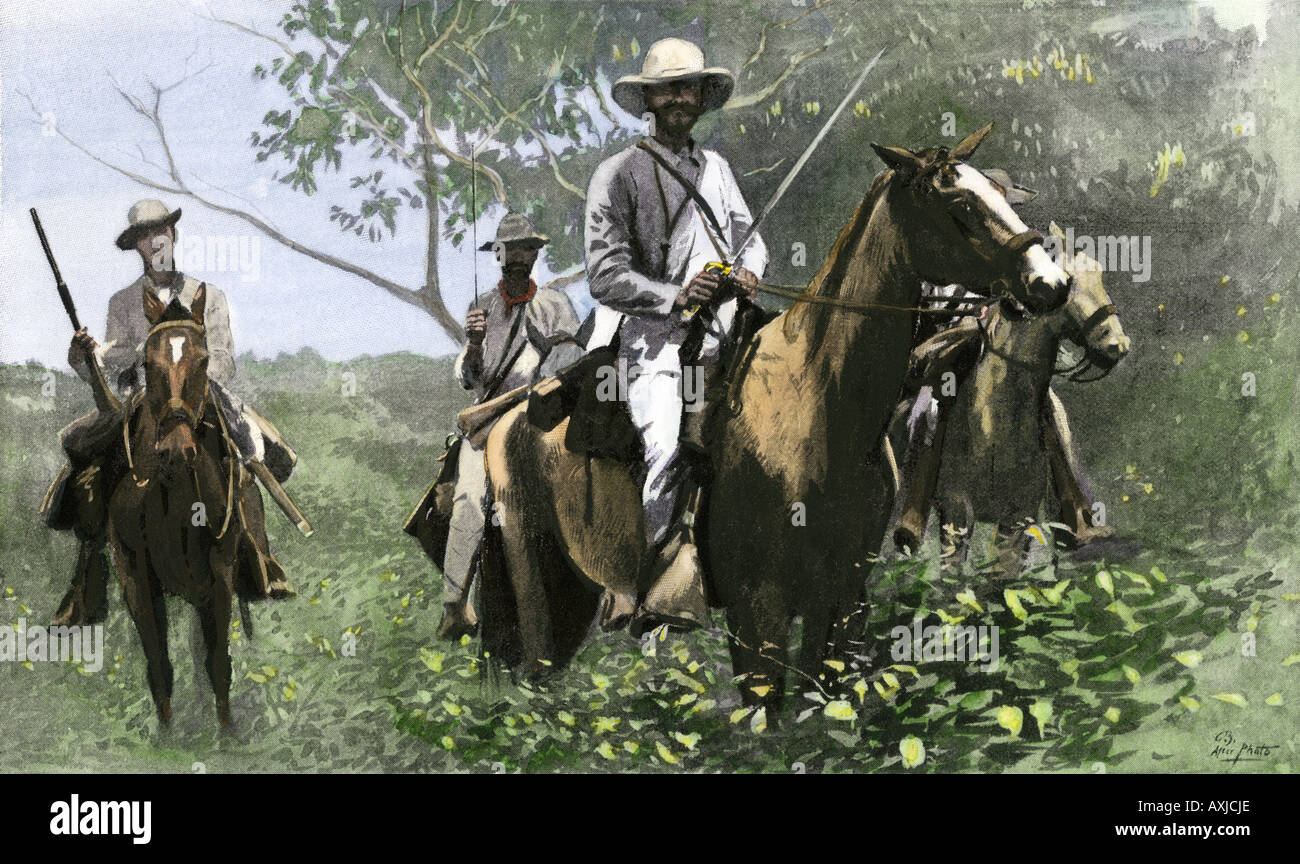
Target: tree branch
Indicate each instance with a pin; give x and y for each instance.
(394, 289)
(777, 25)
(737, 102)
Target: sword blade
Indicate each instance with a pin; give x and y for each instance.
(803, 159)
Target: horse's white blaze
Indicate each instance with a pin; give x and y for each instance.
(1038, 264)
(178, 345)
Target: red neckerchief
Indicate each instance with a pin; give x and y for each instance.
(512, 302)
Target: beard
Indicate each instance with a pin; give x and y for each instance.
(679, 116)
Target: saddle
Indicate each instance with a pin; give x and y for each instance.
(601, 426)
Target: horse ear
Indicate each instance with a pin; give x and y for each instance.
(971, 142)
(898, 158)
(199, 304)
(153, 307)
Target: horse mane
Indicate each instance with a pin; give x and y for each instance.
(176, 311)
(830, 277)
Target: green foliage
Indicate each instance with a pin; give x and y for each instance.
(406, 702)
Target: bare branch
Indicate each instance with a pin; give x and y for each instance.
(394, 289)
(777, 25)
(367, 118)
(796, 60)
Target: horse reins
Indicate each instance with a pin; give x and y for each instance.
(792, 292)
(194, 418)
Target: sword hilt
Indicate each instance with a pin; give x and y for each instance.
(719, 267)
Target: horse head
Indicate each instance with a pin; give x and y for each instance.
(1091, 319)
(176, 373)
(962, 229)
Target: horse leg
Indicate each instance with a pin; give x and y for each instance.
(760, 634)
(214, 618)
(524, 567)
(816, 647)
(148, 610)
(957, 519)
(1011, 547)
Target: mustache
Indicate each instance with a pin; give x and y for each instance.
(689, 107)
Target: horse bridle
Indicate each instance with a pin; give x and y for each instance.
(176, 403)
(193, 417)
(1092, 358)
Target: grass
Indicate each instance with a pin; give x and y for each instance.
(1190, 633)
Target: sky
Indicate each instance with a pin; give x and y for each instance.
(66, 56)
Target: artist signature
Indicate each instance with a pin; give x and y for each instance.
(1228, 749)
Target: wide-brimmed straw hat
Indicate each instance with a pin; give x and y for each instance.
(516, 228)
(143, 217)
(671, 60)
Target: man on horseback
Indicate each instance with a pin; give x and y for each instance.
(939, 365)
(657, 214)
(79, 497)
(516, 335)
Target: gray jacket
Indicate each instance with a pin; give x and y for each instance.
(121, 353)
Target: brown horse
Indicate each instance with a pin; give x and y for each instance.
(995, 466)
(177, 518)
(801, 495)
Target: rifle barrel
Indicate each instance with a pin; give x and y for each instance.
(64, 294)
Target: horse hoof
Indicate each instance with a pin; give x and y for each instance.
(906, 541)
(616, 610)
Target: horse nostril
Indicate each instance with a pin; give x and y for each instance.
(1045, 295)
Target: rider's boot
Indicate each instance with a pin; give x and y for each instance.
(459, 618)
(676, 593)
(276, 584)
(87, 599)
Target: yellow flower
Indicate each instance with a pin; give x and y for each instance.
(967, 598)
(1131, 674)
(840, 710)
(689, 740)
(605, 724)
(1012, 598)
(912, 751)
(1042, 712)
(1232, 699)
(1012, 719)
(1189, 703)
(1190, 659)
(1112, 714)
(665, 754)
(607, 751)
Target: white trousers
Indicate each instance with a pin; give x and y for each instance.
(656, 398)
(468, 517)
